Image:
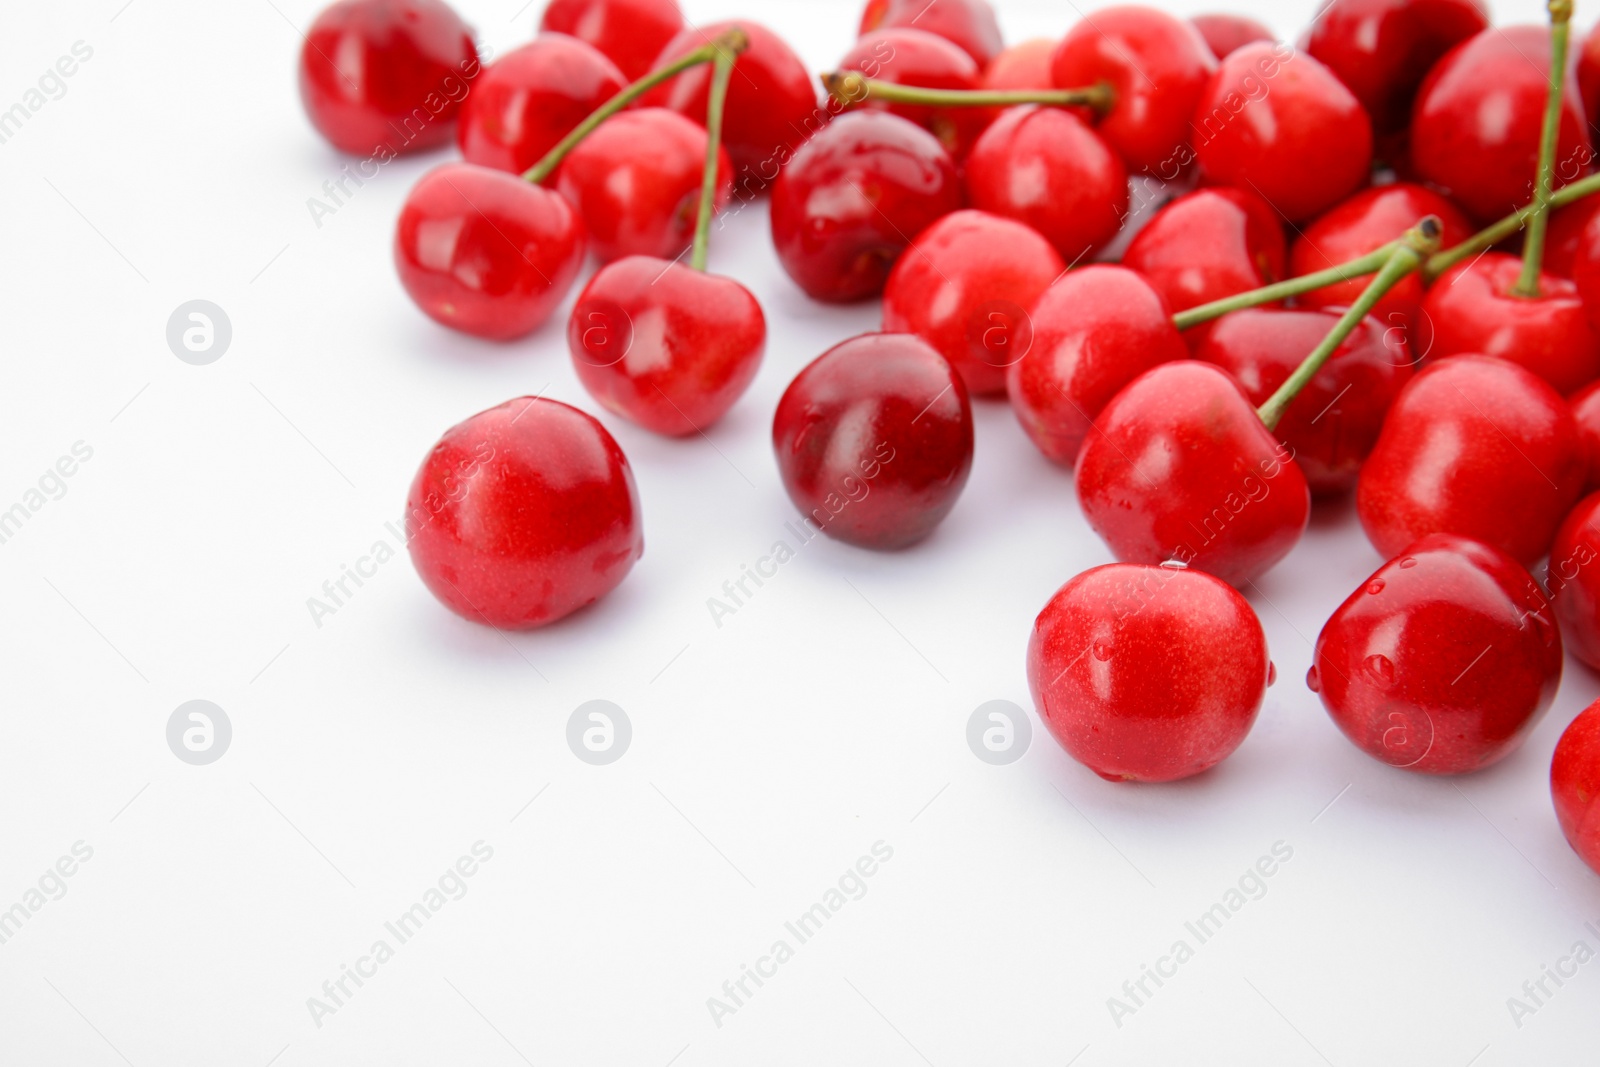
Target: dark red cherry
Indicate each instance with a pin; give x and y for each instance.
(1047, 168)
(1568, 240)
(964, 286)
(915, 57)
(1021, 67)
(532, 97)
(523, 514)
(630, 33)
(969, 23)
(1472, 309)
(1585, 404)
(664, 345)
(1279, 123)
(1477, 447)
(1180, 467)
(1158, 65)
(1589, 74)
(1586, 265)
(1382, 49)
(1094, 331)
(1333, 424)
(1442, 661)
(384, 77)
(1475, 127)
(485, 252)
(874, 440)
(1573, 579)
(853, 197)
(1148, 674)
(1226, 34)
(1575, 784)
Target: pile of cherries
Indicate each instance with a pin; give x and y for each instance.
(1097, 229)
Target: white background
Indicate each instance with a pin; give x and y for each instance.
(768, 755)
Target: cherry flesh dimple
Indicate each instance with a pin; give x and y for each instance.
(532, 97)
(965, 285)
(1442, 661)
(1575, 784)
(1226, 34)
(1021, 67)
(1585, 404)
(1045, 167)
(1094, 331)
(665, 345)
(1477, 447)
(853, 197)
(874, 440)
(1334, 422)
(386, 74)
(630, 33)
(915, 57)
(523, 514)
(1179, 466)
(1283, 125)
(1148, 674)
(485, 252)
(1573, 579)
(1158, 66)
(971, 24)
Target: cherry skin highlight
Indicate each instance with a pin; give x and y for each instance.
(971, 24)
(1442, 661)
(874, 440)
(630, 33)
(523, 514)
(1585, 404)
(1477, 447)
(1148, 674)
(665, 345)
(1226, 34)
(964, 286)
(915, 57)
(853, 197)
(486, 253)
(1575, 783)
(1573, 580)
(1022, 66)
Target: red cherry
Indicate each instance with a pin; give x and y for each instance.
(1382, 49)
(874, 440)
(1045, 167)
(1585, 404)
(486, 253)
(1094, 331)
(971, 24)
(1021, 67)
(1334, 423)
(665, 345)
(384, 77)
(1148, 674)
(1285, 127)
(630, 33)
(1477, 447)
(853, 197)
(532, 97)
(523, 514)
(915, 57)
(1589, 73)
(1180, 467)
(964, 285)
(1575, 784)
(1471, 308)
(1157, 64)
(1586, 264)
(1225, 34)
(1574, 580)
(1568, 240)
(1442, 661)
(1475, 127)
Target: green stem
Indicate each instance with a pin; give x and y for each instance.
(715, 102)
(1415, 247)
(851, 87)
(1269, 294)
(1533, 246)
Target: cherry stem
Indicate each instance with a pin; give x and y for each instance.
(735, 40)
(851, 88)
(1421, 241)
(715, 102)
(1533, 245)
(1268, 294)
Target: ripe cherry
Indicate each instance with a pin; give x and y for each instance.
(1585, 404)
(853, 197)
(969, 23)
(485, 252)
(1589, 74)
(917, 58)
(385, 77)
(1478, 447)
(1226, 34)
(1094, 331)
(523, 514)
(1021, 67)
(1585, 271)
(1148, 674)
(1442, 661)
(1570, 240)
(874, 440)
(1575, 784)
(630, 33)
(1573, 579)
(964, 285)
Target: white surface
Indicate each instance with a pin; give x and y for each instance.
(768, 755)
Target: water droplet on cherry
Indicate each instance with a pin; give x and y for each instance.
(1313, 680)
(1381, 669)
(1375, 587)
(1272, 673)
(1407, 563)
(1102, 650)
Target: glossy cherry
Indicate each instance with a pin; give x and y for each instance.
(965, 285)
(1569, 239)
(1148, 674)
(1585, 404)
(874, 440)
(1180, 467)
(1589, 74)
(1442, 661)
(385, 77)
(1573, 580)
(1094, 331)
(1575, 784)
(1225, 34)
(1586, 264)
(630, 33)
(1477, 447)
(523, 514)
(853, 197)
(971, 24)
(1157, 64)
(485, 252)
(927, 61)
(1021, 67)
